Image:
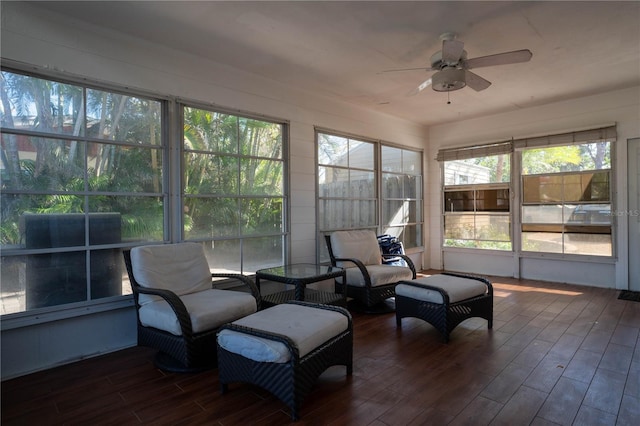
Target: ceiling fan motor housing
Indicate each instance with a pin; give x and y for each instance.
(448, 79)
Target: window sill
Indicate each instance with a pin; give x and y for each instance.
(57, 313)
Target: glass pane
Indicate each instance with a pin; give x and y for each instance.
(391, 159)
(224, 256)
(393, 212)
(334, 182)
(363, 213)
(106, 273)
(261, 177)
(412, 236)
(42, 105)
(413, 211)
(13, 276)
(556, 159)
(459, 226)
(210, 131)
(589, 244)
(362, 184)
(25, 224)
(542, 189)
(411, 163)
(458, 201)
(211, 174)
(210, 217)
(55, 279)
(493, 227)
(117, 168)
(261, 216)
(41, 164)
(598, 187)
(413, 187)
(333, 150)
(141, 218)
(590, 214)
(548, 242)
(542, 214)
(260, 138)
(573, 188)
(491, 169)
(260, 253)
(120, 117)
(392, 186)
(361, 155)
(334, 214)
(492, 200)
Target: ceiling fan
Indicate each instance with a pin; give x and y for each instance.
(452, 66)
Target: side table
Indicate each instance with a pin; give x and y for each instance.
(299, 275)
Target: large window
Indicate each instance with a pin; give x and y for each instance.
(88, 170)
(82, 175)
(476, 202)
(233, 185)
(566, 199)
(369, 185)
(564, 185)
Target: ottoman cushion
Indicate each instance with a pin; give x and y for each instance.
(457, 288)
(306, 326)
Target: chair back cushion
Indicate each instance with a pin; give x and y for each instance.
(361, 245)
(181, 268)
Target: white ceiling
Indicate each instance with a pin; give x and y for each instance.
(338, 49)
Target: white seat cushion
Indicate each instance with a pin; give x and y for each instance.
(361, 245)
(456, 287)
(306, 326)
(181, 268)
(208, 310)
(379, 274)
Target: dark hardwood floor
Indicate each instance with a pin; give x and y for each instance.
(558, 354)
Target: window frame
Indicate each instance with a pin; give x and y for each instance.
(565, 228)
(379, 227)
(515, 147)
(284, 234)
(472, 153)
(171, 193)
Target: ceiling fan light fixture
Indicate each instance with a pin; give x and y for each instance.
(448, 79)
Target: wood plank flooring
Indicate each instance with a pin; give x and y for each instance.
(557, 355)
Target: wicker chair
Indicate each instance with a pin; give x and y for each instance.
(369, 282)
(178, 311)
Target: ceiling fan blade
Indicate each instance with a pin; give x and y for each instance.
(407, 69)
(499, 59)
(476, 82)
(452, 51)
(420, 87)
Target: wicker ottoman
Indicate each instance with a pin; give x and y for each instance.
(285, 348)
(445, 300)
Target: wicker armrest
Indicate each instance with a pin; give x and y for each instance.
(176, 305)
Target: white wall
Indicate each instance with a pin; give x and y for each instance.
(45, 40)
(621, 107)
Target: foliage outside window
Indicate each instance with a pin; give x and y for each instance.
(476, 200)
(233, 184)
(566, 199)
(348, 198)
(81, 175)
